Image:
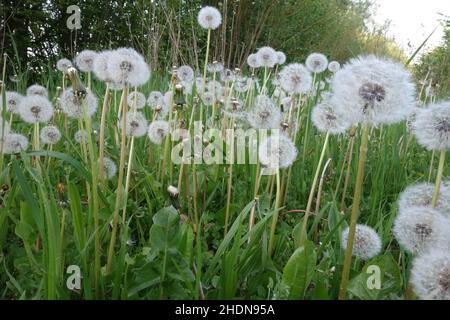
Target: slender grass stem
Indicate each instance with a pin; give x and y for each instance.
(275, 215)
(437, 187)
(102, 137)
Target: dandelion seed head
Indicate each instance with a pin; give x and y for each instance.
(215, 67)
(50, 135)
(430, 275)
(327, 118)
(14, 143)
(155, 99)
(277, 152)
(421, 228)
(63, 64)
(421, 194)
(135, 125)
(209, 18)
(267, 57)
(13, 100)
(432, 126)
(35, 108)
(281, 57)
(227, 75)
(185, 74)
(136, 99)
(366, 244)
(214, 87)
(74, 106)
(85, 60)
(264, 114)
(252, 61)
(125, 65)
(37, 89)
(334, 66)
(295, 78)
(208, 98)
(157, 131)
(316, 62)
(109, 168)
(100, 65)
(374, 91)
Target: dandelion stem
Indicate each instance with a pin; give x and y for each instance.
(437, 187)
(312, 191)
(275, 215)
(355, 211)
(102, 137)
(230, 178)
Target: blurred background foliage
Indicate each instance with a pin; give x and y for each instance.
(167, 33)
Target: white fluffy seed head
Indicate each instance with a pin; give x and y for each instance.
(421, 194)
(136, 99)
(100, 65)
(13, 100)
(215, 67)
(264, 114)
(281, 57)
(295, 78)
(208, 98)
(432, 126)
(327, 118)
(35, 108)
(155, 99)
(157, 131)
(267, 57)
(366, 244)
(430, 275)
(316, 62)
(421, 228)
(252, 61)
(214, 87)
(374, 91)
(209, 18)
(185, 74)
(125, 65)
(50, 135)
(14, 143)
(334, 66)
(37, 89)
(135, 124)
(81, 137)
(277, 152)
(63, 64)
(73, 106)
(85, 60)
(109, 168)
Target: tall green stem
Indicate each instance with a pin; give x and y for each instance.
(313, 189)
(275, 215)
(355, 211)
(437, 187)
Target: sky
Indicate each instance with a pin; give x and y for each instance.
(412, 21)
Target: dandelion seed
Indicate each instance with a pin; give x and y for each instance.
(316, 62)
(421, 228)
(63, 64)
(252, 61)
(430, 275)
(135, 124)
(74, 106)
(125, 65)
(35, 108)
(277, 152)
(334, 66)
(295, 78)
(185, 74)
(267, 57)
(421, 194)
(110, 168)
(374, 91)
(281, 58)
(157, 131)
(36, 89)
(366, 244)
(326, 118)
(85, 60)
(264, 114)
(432, 126)
(50, 135)
(15, 143)
(13, 100)
(209, 18)
(136, 99)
